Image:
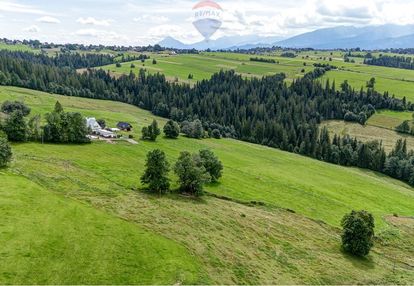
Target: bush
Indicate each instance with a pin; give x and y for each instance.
(212, 164)
(216, 134)
(358, 232)
(171, 129)
(191, 173)
(9, 107)
(118, 65)
(15, 127)
(151, 132)
(5, 152)
(193, 129)
(156, 172)
(404, 127)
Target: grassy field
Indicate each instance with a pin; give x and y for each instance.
(234, 243)
(17, 47)
(398, 82)
(368, 133)
(380, 126)
(357, 79)
(48, 239)
(389, 119)
(204, 65)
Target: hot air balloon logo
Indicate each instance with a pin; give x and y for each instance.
(207, 18)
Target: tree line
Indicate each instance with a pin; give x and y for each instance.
(263, 60)
(400, 62)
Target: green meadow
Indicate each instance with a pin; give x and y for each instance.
(389, 119)
(202, 66)
(279, 223)
(398, 82)
(17, 47)
(369, 132)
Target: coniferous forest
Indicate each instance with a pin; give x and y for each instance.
(267, 110)
(400, 62)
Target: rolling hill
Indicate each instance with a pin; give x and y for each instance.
(272, 218)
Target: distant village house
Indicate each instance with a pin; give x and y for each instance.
(125, 126)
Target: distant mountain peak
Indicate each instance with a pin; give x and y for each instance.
(367, 37)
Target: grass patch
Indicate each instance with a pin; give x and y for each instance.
(389, 119)
(368, 133)
(49, 239)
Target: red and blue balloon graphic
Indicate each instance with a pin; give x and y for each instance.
(207, 18)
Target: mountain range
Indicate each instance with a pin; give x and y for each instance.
(368, 37)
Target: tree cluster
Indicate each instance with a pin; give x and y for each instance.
(151, 131)
(192, 170)
(65, 127)
(61, 127)
(400, 62)
(193, 129)
(288, 55)
(263, 60)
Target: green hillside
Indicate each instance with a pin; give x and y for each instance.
(234, 243)
(398, 82)
(204, 65)
(48, 239)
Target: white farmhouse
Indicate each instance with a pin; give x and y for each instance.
(93, 124)
(97, 129)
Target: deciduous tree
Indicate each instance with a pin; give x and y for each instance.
(156, 172)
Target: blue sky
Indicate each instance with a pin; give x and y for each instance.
(135, 22)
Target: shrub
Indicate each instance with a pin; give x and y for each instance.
(212, 164)
(5, 152)
(358, 232)
(216, 134)
(193, 129)
(151, 132)
(15, 127)
(171, 129)
(9, 107)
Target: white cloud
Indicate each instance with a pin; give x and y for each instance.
(12, 6)
(94, 22)
(87, 33)
(48, 20)
(153, 19)
(103, 35)
(32, 29)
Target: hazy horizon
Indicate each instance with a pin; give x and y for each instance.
(128, 22)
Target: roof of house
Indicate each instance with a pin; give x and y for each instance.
(124, 124)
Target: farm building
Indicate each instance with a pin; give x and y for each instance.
(124, 126)
(106, 134)
(92, 124)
